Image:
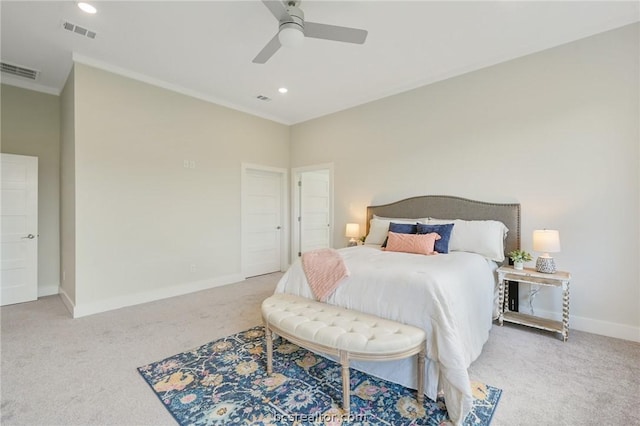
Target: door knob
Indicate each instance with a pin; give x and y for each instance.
(278, 227)
(30, 236)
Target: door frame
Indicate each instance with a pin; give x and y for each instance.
(284, 202)
(295, 204)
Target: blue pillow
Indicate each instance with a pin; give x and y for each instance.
(401, 228)
(442, 245)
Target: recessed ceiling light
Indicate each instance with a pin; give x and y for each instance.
(86, 7)
(283, 90)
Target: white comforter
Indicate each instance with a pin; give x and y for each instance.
(450, 296)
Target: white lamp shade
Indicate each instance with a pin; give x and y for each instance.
(353, 230)
(546, 241)
(291, 35)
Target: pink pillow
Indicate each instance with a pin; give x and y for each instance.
(412, 243)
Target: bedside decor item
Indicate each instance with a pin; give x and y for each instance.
(546, 241)
(519, 257)
(353, 232)
(513, 296)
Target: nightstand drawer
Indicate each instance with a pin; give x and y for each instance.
(532, 280)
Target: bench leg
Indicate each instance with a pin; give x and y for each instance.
(346, 396)
(420, 390)
(269, 341)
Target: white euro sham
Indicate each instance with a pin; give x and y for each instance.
(484, 237)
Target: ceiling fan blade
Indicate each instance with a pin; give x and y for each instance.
(268, 51)
(335, 33)
(276, 8)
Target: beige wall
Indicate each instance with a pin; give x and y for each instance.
(67, 192)
(141, 218)
(31, 126)
(557, 131)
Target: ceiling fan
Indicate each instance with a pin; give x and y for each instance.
(293, 29)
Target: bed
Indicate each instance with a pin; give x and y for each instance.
(453, 296)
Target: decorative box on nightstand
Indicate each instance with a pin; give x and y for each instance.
(531, 276)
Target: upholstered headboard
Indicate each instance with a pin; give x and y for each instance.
(447, 207)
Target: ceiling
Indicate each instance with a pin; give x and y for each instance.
(205, 48)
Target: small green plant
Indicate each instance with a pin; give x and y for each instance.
(520, 256)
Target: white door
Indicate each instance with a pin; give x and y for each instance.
(19, 210)
(315, 210)
(262, 221)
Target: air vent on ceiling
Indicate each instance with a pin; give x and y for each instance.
(264, 98)
(19, 71)
(78, 30)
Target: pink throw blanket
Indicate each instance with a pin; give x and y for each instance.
(324, 269)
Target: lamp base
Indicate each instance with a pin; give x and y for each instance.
(546, 265)
(352, 243)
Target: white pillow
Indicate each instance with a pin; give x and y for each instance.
(379, 227)
(485, 237)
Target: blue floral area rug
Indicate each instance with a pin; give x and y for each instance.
(225, 383)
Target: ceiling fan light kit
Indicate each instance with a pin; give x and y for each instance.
(293, 29)
(291, 35)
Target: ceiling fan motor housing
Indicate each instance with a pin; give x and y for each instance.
(295, 19)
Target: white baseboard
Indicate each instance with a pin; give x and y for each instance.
(590, 325)
(67, 301)
(81, 310)
(48, 290)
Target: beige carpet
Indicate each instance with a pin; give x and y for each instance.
(61, 371)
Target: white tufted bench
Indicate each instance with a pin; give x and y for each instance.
(341, 332)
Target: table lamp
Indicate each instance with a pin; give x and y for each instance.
(546, 241)
(353, 232)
